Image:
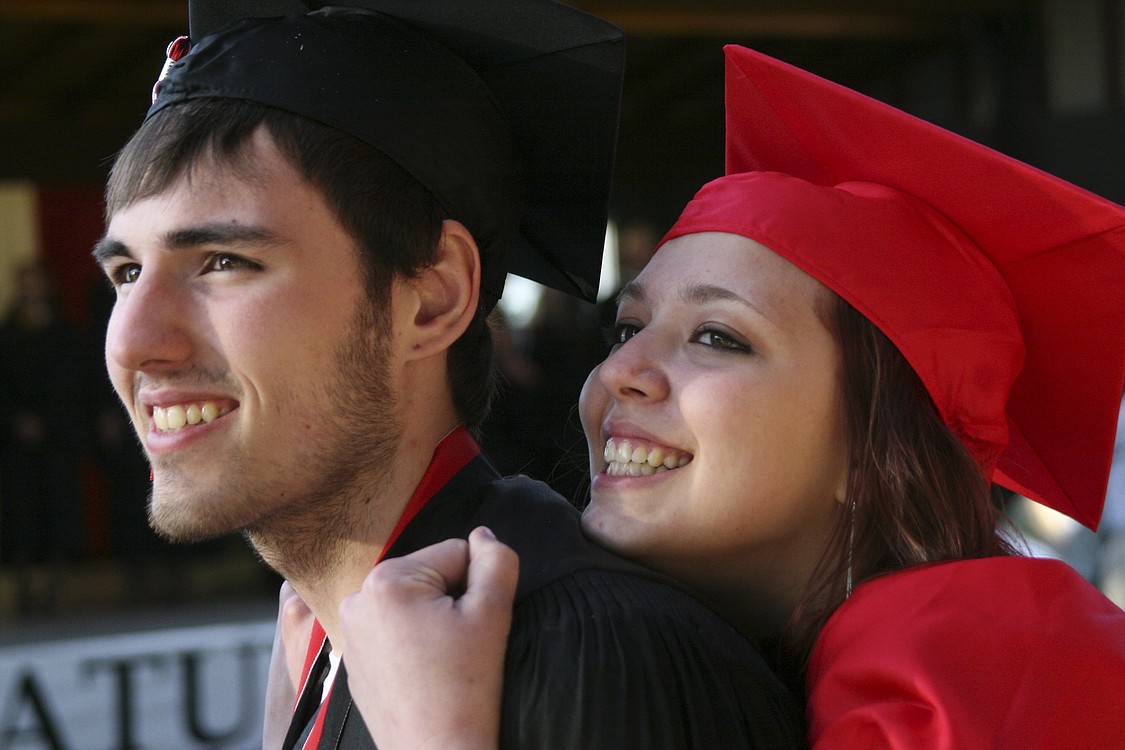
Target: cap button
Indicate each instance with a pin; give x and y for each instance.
(179, 47)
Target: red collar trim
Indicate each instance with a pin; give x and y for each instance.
(452, 454)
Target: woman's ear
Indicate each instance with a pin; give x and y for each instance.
(446, 293)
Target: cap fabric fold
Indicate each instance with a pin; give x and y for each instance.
(1003, 286)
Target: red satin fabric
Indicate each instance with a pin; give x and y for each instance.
(1000, 653)
(961, 256)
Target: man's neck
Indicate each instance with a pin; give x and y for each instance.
(328, 552)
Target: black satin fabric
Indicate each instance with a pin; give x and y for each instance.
(603, 654)
(506, 110)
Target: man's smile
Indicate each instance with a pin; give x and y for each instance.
(178, 416)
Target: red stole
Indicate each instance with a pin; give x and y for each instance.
(451, 455)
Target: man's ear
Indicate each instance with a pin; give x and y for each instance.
(445, 293)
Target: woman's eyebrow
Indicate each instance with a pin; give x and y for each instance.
(632, 291)
(701, 294)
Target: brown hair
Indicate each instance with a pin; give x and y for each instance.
(395, 221)
(914, 493)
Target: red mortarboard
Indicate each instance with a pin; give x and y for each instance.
(1003, 286)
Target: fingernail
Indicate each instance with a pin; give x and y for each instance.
(486, 531)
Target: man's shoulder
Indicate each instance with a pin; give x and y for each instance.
(635, 615)
(570, 587)
(545, 531)
(637, 659)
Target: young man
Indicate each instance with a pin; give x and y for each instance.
(306, 236)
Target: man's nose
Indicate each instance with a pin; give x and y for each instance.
(148, 329)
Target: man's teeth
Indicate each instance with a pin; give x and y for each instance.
(172, 418)
(626, 458)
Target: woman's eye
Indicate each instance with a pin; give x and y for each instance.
(719, 340)
(621, 333)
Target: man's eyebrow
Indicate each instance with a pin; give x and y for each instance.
(107, 248)
(219, 234)
(178, 239)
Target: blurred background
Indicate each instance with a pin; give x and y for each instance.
(108, 635)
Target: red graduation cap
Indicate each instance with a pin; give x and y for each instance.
(1003, 286)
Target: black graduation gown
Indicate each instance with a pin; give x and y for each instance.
(603, 653)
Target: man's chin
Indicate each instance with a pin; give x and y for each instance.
(179, 533)
(178, 522)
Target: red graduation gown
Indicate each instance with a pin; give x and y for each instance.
(1016, 653)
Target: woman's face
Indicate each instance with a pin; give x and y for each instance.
(714, 427)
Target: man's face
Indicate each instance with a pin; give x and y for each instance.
(243, 346)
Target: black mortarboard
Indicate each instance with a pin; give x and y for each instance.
(505, 110)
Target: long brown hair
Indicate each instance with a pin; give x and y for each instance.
(914, 493)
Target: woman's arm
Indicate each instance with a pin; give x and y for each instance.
(424, 643)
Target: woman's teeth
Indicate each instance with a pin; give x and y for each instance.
(172, 418)
(628, 458)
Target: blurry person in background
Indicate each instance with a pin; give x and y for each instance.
(43, 433)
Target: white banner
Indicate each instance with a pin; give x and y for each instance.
(176, 689)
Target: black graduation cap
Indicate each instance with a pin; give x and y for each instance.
(506, 110)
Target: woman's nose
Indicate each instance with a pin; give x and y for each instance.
(636, 369)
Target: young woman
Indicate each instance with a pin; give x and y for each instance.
(835, 351)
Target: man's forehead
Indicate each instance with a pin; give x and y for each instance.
(255, 161)
(256, 166)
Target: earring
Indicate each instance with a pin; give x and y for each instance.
(851, 543)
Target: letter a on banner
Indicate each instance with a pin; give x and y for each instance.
(28, 702)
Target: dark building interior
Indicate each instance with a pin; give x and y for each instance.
(1043, 81)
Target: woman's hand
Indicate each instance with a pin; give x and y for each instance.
(290, 642)
(424, 642)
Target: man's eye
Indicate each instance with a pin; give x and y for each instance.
(126, 273)
(225, 262)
